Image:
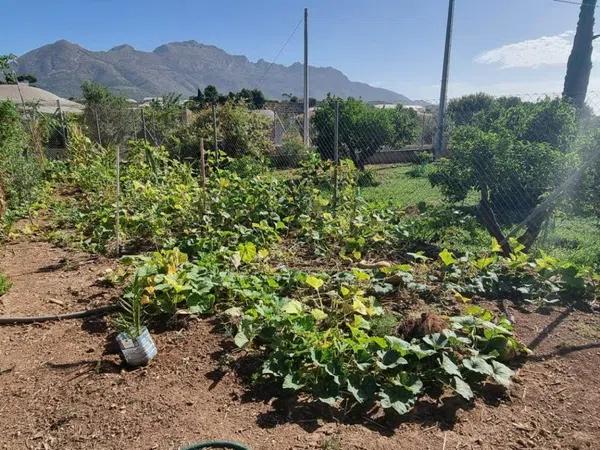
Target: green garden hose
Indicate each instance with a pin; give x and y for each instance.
(215, 444)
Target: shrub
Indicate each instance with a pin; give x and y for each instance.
(108, 117)
(291, 153)
(20, 172)
(363, 129)
(515, 173)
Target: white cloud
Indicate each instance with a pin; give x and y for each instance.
(533, 53)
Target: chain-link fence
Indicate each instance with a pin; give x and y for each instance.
(520, 166)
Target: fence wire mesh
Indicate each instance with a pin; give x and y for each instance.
(520, 166)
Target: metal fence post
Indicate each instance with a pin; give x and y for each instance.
(117, 202)
(62, 120)
(144, 124)
(215, 142)
(336, 153)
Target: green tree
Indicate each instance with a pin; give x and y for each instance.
(163, 117)
(363, 129)
(27, 77)
(461, 111)
(211, 95)
(513, 156)
(6, 69)
(109, 118)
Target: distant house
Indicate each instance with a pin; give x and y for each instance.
(44, 101)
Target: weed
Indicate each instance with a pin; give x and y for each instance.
(5, 284)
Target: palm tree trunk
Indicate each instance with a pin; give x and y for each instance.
(580, 60)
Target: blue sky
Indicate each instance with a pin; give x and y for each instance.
(499, 46)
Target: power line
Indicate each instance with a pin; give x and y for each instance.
(281, 51)
(570, 2)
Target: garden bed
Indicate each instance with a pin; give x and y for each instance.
(64, 387)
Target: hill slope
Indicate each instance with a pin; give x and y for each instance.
(182, 67)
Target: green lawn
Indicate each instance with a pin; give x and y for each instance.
(399, 185)
(573, 238)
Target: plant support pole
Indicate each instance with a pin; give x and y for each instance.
(202, 164)
(306, 112)
(98, 127)
(118, 195)
(439, 147)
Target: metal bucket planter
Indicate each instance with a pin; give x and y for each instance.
(137, 351)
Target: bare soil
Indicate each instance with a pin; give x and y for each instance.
(63, 386)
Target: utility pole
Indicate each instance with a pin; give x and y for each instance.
(306, 112)
(439, 148)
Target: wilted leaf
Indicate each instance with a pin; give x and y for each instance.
(240, 339)
(318, 314)
(292, 307)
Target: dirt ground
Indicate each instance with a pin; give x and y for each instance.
(63, 387)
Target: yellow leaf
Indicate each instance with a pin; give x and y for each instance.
(314, 282)
(360, 275)
(359, 307)
(461, 298)
(495, 246)
(292, 307)
(318, 314)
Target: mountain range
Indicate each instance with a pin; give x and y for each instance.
(183, 67)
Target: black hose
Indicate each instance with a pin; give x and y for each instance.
(215, 444)
(101, 311)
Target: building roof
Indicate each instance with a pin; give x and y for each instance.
(45, 101)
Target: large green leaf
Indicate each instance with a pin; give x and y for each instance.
(501, 373)
(362, 388)
(478, 365)
(389, 359)
(462, 388)
(449, 367)
(290, 383)
(397, 398)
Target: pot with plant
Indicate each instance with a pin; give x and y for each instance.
(135, 342)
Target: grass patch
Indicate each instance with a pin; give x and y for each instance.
(572, 238)
(5, 284)
(398, 185)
